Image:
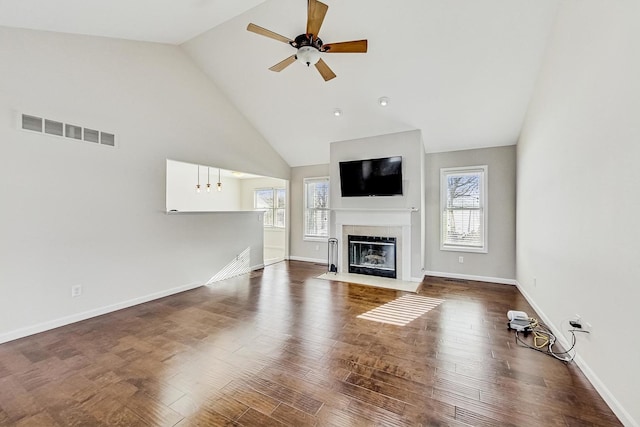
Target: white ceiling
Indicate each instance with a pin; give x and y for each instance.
(163, 21)
(461, 71)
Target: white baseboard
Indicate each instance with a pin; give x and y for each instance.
(471, 277)
(257, 267)
(67, 320)
(602, 389)
(300, 258)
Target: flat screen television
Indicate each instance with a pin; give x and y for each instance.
(371, 177)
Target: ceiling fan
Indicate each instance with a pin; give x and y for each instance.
(309, 46)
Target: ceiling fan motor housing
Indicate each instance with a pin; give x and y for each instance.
(306, 40)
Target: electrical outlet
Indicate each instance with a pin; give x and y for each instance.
(578, 323)
(461, 259)
(76, 291)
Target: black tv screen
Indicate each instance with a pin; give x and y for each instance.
(372, 177)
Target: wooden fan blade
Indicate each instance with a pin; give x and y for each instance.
(283, 64)
(315, 15)
(355, 46)
(324, 70)
(267, 33)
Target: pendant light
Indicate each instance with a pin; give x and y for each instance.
(219, 182)
(198, 185)
(208, 181)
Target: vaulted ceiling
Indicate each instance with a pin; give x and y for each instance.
(461, 71)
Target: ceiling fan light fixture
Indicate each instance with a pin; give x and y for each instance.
(308, 55)
(383, 101)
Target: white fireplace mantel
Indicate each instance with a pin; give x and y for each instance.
(383, 218)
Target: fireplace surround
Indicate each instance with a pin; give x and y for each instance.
(394, 223)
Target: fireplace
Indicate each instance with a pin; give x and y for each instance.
(394, 223)
(372, 255)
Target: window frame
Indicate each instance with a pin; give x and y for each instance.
(483, 171)
(275, 208)
(306, 209)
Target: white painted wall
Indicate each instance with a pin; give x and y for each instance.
(578, 182)
(304, 250)
(406, 144)
(182, 196)
(498, 264)
(78, 213)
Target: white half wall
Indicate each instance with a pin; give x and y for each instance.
(79, 213)
(578, 199)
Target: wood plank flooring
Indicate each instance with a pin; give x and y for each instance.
(280, 347)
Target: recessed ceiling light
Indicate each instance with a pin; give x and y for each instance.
(384, 101)
(337, 112)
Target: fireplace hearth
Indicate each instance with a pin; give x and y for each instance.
(372, 255)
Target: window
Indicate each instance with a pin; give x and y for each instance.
(463, 209)
(273, 202)
(316, 208)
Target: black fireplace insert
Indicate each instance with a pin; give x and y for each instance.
(372, 255)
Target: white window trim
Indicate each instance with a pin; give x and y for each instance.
(274, 208)
(485, 207)
(305, 237)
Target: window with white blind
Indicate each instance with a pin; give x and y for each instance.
(316, 208)
(463, 209)
(273, 202)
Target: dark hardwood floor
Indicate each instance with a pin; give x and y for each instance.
(279, 347)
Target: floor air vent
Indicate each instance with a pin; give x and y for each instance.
(67, 130)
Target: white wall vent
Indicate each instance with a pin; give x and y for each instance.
(52, 128)
(31, 123)
(107, 139)
(66, 130)
(91, 135)
(71, 131)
